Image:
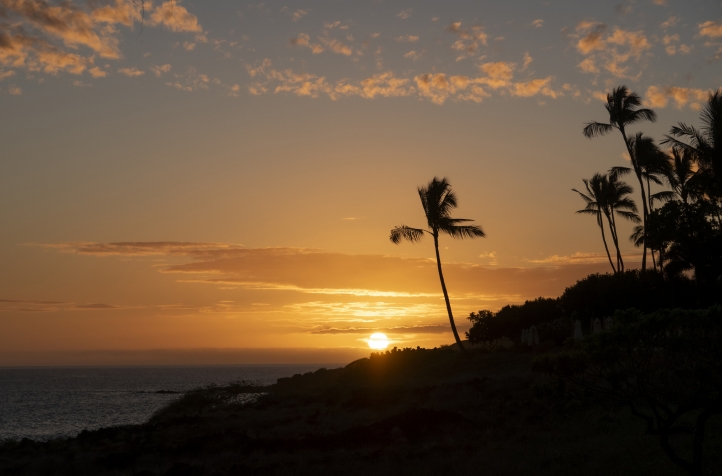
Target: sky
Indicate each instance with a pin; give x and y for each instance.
(218, 176)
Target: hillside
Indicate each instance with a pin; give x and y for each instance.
(402, 412)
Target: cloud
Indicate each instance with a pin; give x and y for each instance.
(317, 272)
(96, 72)
(131, 72)
(658, 96)
(305, 40)
(407, 38)
(469, 39)
(578, 258)
(527, 60)
(670, 22)
(298, 14)
(420, 329)
(405, 14)
(305, 84)
(538, 23)
(437, 87)
(191, 80)
(336, 46)
(68, 36)
(159, 70)
(612, 51)
(711, 29)
(15, 91)
(413, 55)
(95, 306)
(175, 17)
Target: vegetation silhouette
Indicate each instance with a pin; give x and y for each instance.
(704, 145)
(623, 108)
(608, 196)
(438, 201)
(666, 366)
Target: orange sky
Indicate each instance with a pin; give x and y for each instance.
(226, 175)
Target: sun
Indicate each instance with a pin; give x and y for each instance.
(378, 341)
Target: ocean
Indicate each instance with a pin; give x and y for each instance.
(42, 403)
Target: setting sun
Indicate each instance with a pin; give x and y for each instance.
(378, 341)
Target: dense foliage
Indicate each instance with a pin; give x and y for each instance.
(490, 328)
(666, 365)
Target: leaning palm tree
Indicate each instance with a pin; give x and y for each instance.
(703, 144)
(622, 106)
(438, 201)
(608, 196)
(595, 205)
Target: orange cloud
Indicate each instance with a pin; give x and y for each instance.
(175, 17)
(612, 51)
(437, 87)
(711, 29)
(657, 96)
(304, 40)
(64, 36)
(312, 271)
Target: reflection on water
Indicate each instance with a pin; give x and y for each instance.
(44, 403)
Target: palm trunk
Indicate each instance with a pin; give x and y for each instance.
(644, 198)
(446, 295)
(613, 227)
(651, 209)
(600, 222)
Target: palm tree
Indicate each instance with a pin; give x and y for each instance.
(608, 196)
(595, 204)
(438, 201)
(703, 144)
(681, 175)
(652, 164)
(622, 106)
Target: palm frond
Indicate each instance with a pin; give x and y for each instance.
(640, 115)
(631, 216)
(637, 236)
(586, 198)
(616, 172)
(594, 129)
(463, 231)
(403, 232)
(664, 196)
(589, 211)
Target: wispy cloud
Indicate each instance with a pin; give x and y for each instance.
(310, 271)
(39, 36)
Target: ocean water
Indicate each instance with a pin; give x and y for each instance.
(59, 402)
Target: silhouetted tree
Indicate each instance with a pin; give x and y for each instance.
(653, 164)
(681, 175)
(665, 366)
(622, 106)
(703, 144)
(608, 196)
(438, 201)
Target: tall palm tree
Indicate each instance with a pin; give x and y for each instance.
(703, 144)
(653, 164)
(608, 196)
(595, 204)
(438, 201)
(623, 108)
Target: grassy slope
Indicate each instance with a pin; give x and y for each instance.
(414, 412)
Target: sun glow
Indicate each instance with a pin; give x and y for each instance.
(378, 341)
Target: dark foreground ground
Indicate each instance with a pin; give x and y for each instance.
(412, 412)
